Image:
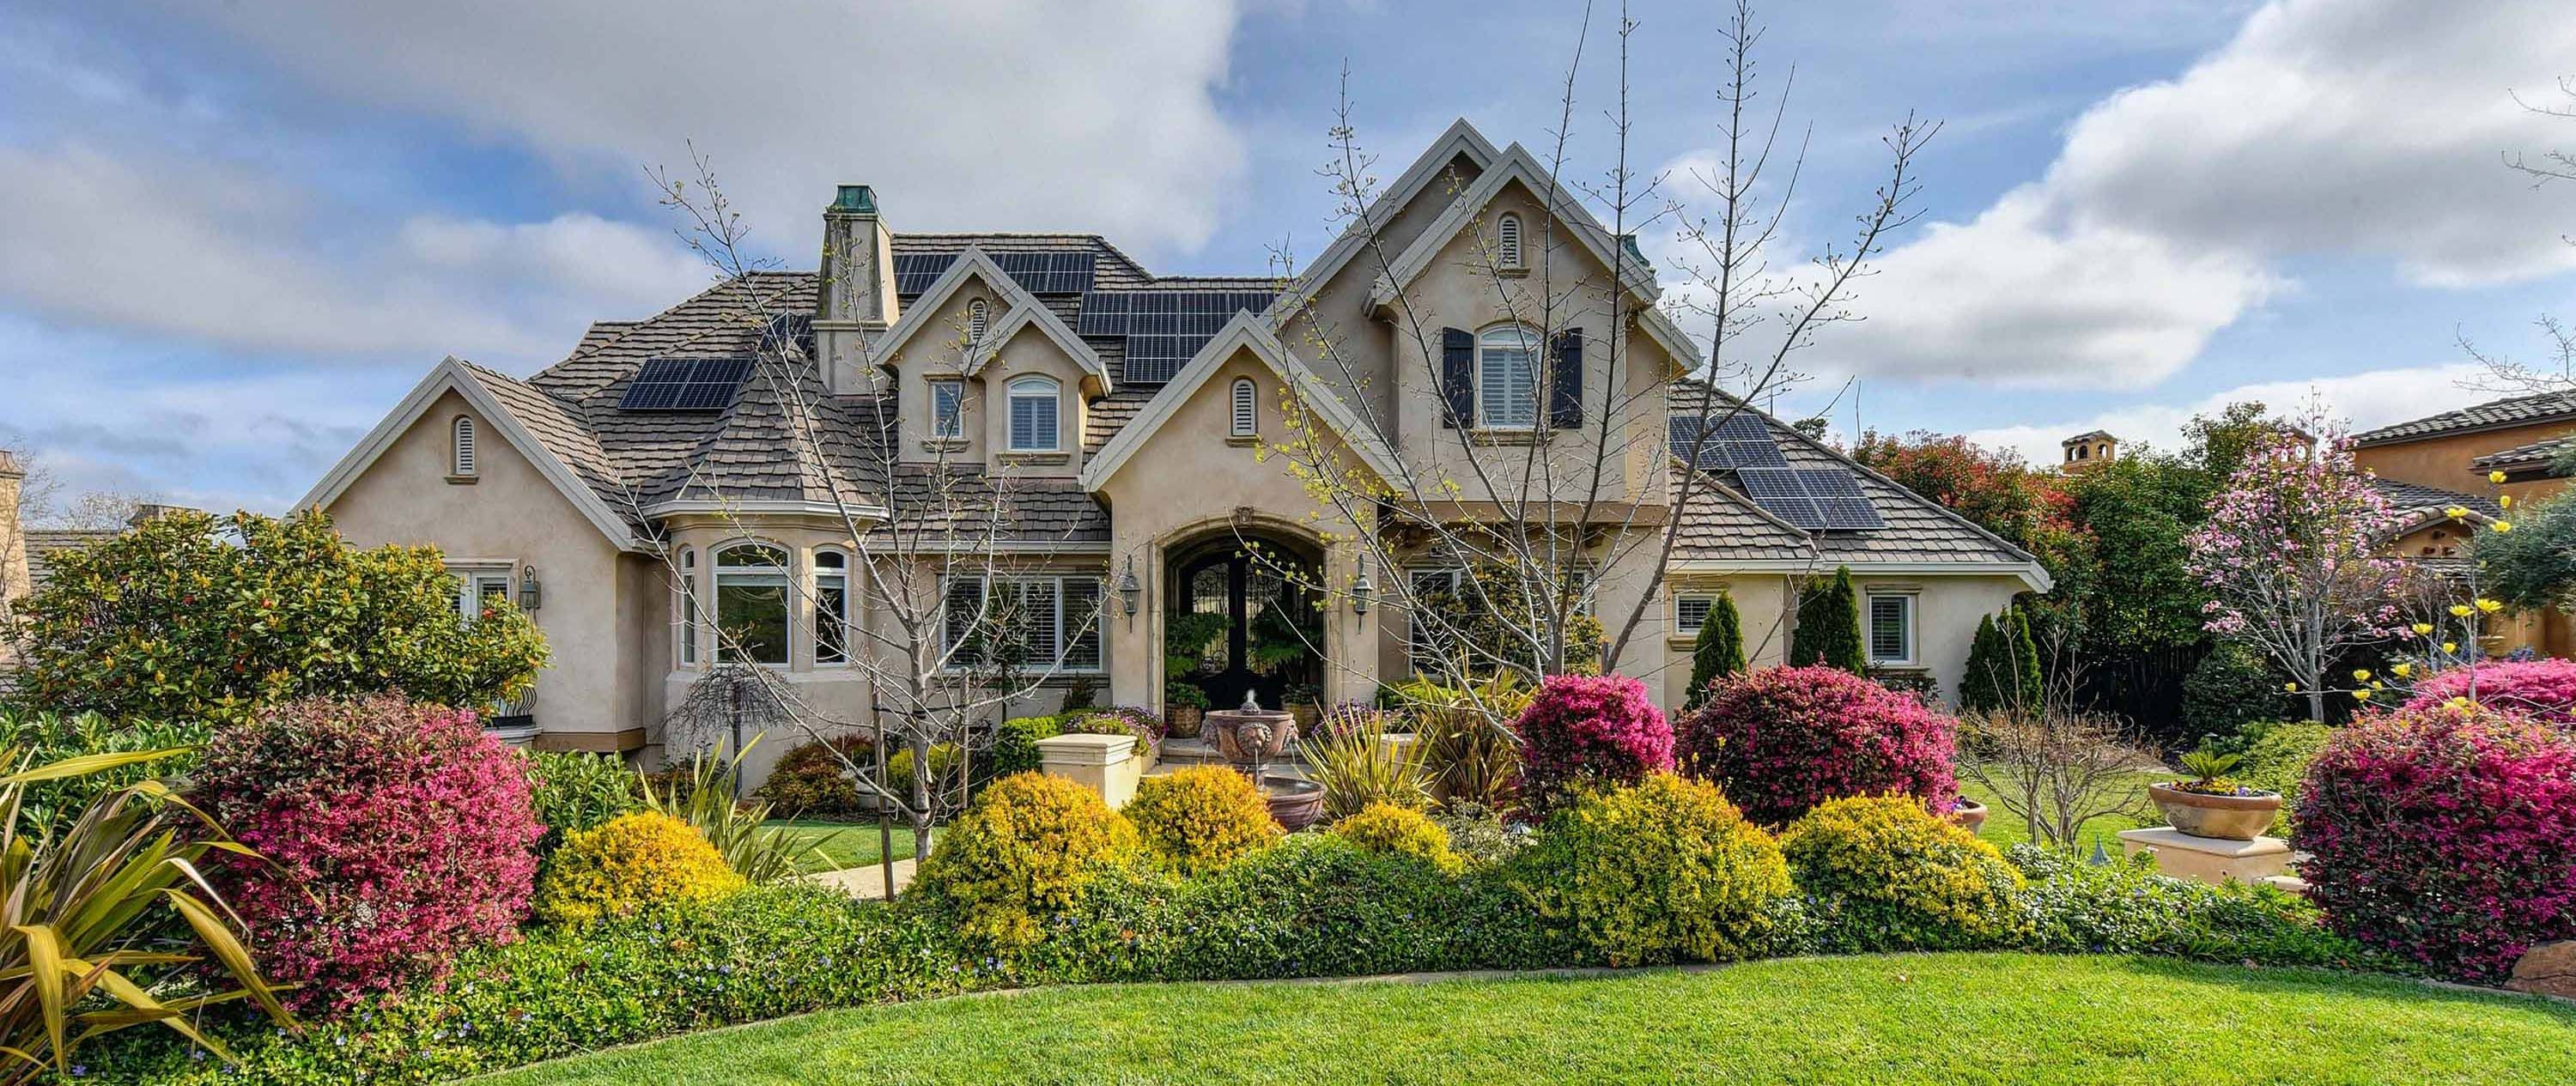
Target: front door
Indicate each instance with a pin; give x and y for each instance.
(1252, 629)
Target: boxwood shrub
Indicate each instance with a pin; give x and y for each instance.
(2070, 906)
(1667, 871)
(1880, 873)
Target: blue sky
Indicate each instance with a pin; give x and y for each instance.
(238, 233)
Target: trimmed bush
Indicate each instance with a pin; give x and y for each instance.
(2070, 906)
(1718, 651)
(1782, 740)
(48, 808)
(1026, 850)
(1881, 873)
(392, 836)
(1828, 630)
(943, 769)
(2445, 835)
(2276, 759)
(2545, 690)
(632, 861)
(575, 790)
(809, 780)
(1201, 818)
(2230, 688)
(1015, 747)
(1665, 871)
(1990, 677)
(1401, 831)
(1583, 732)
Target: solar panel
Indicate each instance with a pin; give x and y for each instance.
(685, 384)
(1739, 441)
(1164, 329)
(1057, 272)
(1811, 498)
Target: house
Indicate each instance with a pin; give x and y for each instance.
(14, 581)
(1123, 430)
(2428, 466)
(2087, 449)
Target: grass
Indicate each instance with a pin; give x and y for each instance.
(1983, 1018)
(2004, 829)
(843, 844)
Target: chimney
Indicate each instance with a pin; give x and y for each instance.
(855, 301)
(147, 512)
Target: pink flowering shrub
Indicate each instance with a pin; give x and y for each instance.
(1583, 731)
(394, 836)
(2544, 689)
(1782, 740)
(2445, 835)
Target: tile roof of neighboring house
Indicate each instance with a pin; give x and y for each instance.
(2415, 502)
(2494, 414)
(44, 543)
(2536, 454)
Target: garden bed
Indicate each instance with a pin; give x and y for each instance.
(1878, 1019)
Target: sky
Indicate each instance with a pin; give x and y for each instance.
(233, 235)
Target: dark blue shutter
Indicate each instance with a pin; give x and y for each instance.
(1457, 378)
(1565, 401)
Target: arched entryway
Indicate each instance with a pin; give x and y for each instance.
(1244, 616)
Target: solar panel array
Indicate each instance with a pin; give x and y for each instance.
(1038, 273)
(1734, 441)
(1164, 328)
(1811, 498)
(685, 384)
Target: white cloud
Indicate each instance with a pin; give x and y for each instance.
(1019, 116)
(2362, 400)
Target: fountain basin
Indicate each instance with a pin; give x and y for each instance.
(1250, 737)
(1294, 803)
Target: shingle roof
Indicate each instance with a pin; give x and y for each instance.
(44, 543)
(2493, 414)
(2415, 500)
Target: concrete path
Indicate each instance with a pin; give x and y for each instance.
(866, 883)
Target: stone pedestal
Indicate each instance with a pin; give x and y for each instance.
(2210, 859)
(1106, 764)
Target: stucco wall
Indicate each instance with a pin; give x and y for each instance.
(1360, 362)
(2444, 461)
(1947, 608)
(938, 352)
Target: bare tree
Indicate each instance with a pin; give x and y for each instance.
(1578, 482)
(2556, 372)
(2054, 765)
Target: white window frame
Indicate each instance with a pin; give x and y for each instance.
(1911, 602)
(1491, 345)
(464, 448)
(1057, 582)
(1034, 387)
(1507, 241)
(684, 603)
(1681, 608)
(479, 581)
(826, 616)
(1244, 409)
(758, 576)
(950, 423)
(979, 320)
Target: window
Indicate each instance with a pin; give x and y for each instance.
(1891, 629)
(1245, 402)
(685, 604)
(1033, 415)
(1426, 644)
(462, 445)
(1691, 612)
(978, 318)
(1039, 621)
(1507, 378)
(948, 409)
(479, 587)
(751, 604)
(831, 607)
(1507, 241)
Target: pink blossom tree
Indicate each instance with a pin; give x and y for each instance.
(2292, 558)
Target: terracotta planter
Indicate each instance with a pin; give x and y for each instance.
(1969, 814)
(2225, 818)
(1294, 803)
(1307, 714)
(1182, 721)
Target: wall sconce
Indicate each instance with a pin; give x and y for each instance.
(532, 592)
(1361, 590)
(1129, 589)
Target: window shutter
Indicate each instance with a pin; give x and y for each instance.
(1457, 378)
(1565, 402)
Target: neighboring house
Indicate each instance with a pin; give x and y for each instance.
(14, 580)
(2428, 466)
(1121, 424)
(2086, 450)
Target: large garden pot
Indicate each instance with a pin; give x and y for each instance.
(1251, 737)
(1182, 721)
(1968, 814)
(2225, 818)
(1294, 803)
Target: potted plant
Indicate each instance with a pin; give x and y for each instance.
(1305, 701)
(2211, 805)
(1968, 814)
(1184, 704)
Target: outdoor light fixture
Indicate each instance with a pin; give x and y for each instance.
(1129, 590)
(532, 593)
(1361, 590)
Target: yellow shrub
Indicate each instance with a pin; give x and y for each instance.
(1201, 818)
(1664, 871)
(1884, 874)
(627, 863)
(1025, 850)
(1385, 827)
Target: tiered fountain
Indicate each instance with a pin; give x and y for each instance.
(1251, 737)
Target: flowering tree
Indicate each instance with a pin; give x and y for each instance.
(2291, 557)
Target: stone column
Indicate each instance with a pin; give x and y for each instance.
(1105, 764)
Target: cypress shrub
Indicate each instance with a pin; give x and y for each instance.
(1718, 651)
(1828, 630)
(1990, 669)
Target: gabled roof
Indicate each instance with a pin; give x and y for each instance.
(2491, 415)
(1052, 327)
(1461, 138)
(1244, 332)
(2414, 505)
(1024, 309)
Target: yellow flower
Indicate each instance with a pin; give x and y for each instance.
(2449, 647)
(2423, 629)
(2361, 674)
(2459, 610)
(2504, 501)
(2495, 476)
(2456, 512)
(2458, 702)
(2361, 695)
(2490, 606)
(2377, 685)
(2503, 526)
(2291, 687)
(2401, 670)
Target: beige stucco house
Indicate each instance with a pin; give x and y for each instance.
(1125, 428)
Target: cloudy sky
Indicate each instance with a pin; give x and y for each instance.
(235, 233)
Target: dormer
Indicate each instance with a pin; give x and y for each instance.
(854, 302)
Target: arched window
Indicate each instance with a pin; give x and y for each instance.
(684, 603)
(1507, 378)
(461, 443)
(1507, 241)
(1033, 414)
(831, 607)
(751, 604)
(978, 318)
(1245, 416)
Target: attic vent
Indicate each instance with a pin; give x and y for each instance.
(1507, 241)
(979, 317)
(463, 446)
(1245, 420)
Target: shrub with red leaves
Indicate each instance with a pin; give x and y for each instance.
(2545, 689)
(2445, 835)
(394, 836)
(1782, 740)
(1586, 731)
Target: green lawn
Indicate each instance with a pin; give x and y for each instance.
(2004, 829)
(1981, 1018)
(843, 844)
